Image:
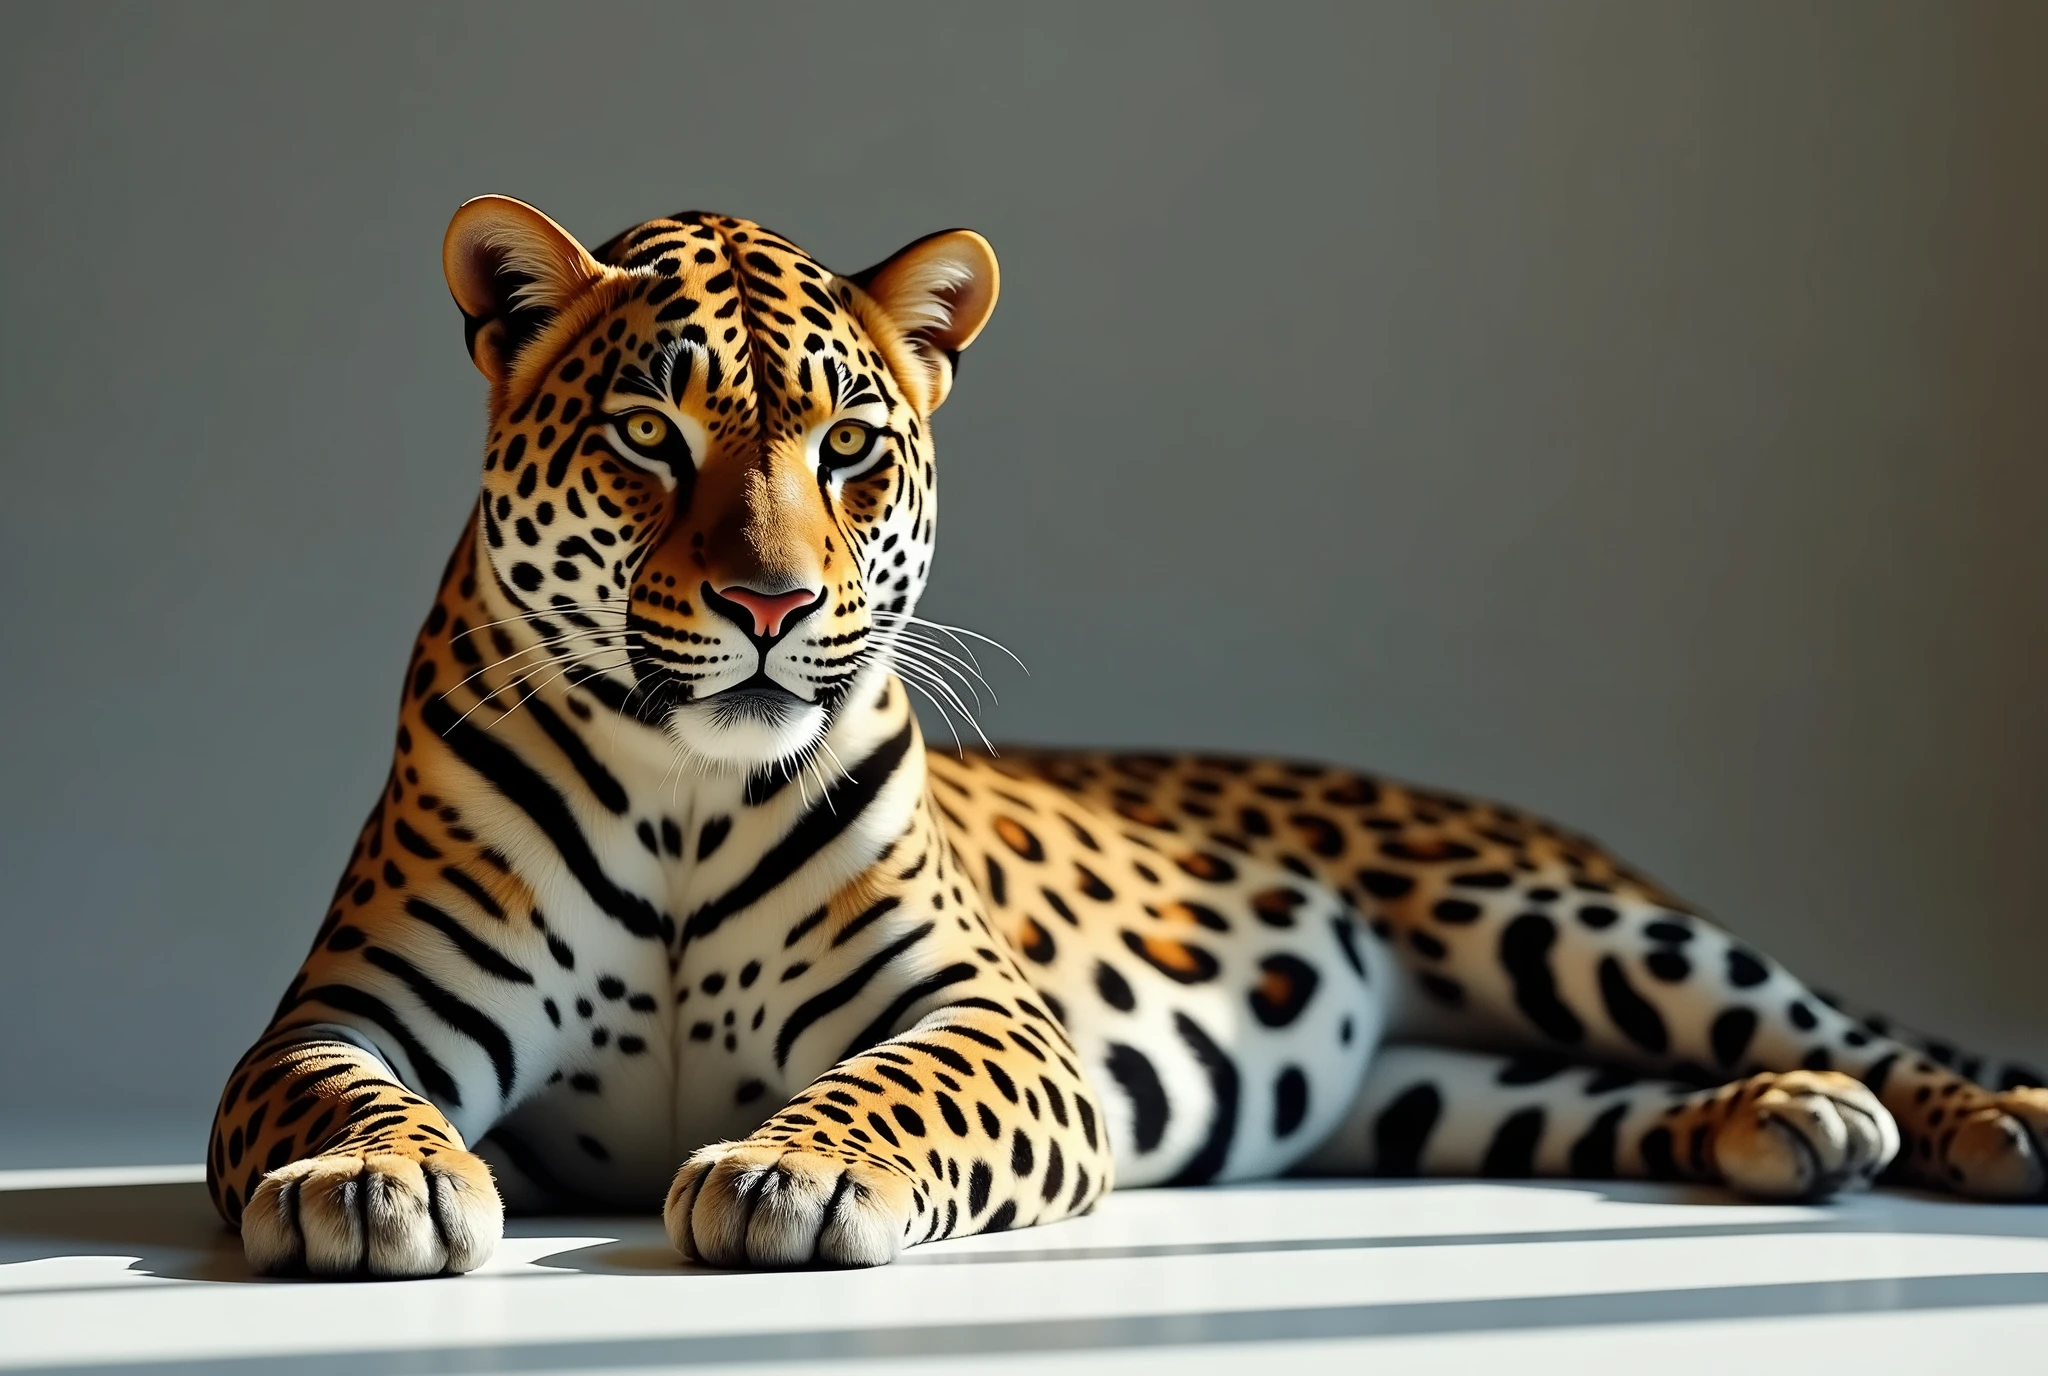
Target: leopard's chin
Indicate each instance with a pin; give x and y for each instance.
(748, 727)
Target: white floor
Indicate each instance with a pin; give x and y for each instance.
(111, 1270)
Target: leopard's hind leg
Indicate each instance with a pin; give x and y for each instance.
(1801, 1134)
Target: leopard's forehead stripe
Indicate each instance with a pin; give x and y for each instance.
(751, 300)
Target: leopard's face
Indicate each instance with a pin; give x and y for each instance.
(709, 476)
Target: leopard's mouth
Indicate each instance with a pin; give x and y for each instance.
(758, 699)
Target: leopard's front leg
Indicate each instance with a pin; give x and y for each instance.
(975, 1121)
(331, 1167)
(972, 1116)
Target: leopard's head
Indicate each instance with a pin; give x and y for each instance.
(708, 478)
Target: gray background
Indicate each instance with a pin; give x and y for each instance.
(1640, 412)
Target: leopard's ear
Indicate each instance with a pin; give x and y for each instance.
(938, 292)
(511, 269)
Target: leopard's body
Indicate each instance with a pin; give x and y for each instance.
(664, 875)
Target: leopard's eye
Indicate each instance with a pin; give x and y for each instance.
(644, 430)
(848, 445)
(848, 440)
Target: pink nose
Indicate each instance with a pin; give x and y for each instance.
(770, 609)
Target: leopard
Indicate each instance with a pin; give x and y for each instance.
(666, 903)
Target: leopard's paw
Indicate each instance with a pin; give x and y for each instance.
(1804, 1134)
(1999, 1150)
(373, 1214)
(761, 1204)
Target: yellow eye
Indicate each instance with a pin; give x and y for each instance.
(848, 439)
(644, 430)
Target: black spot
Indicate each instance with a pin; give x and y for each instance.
(1442, 988)
(1036, 942)
(1592, 1156)
(1666, 929)
(1608, 1079)
(1659, 1160)
(1525, 953)
(1162, 955)
(1512, 1152)
(1133, 1072)
(1802, 1017)
(1206, 866)
(1432, 852)
(1320, 833)
(1275, 907)
(1019, 838)
(712, 836)
(1288, 984)
(1385, 883)
(979, 1179)
(1092, 885)
(1631, 1012)
(1402, 1130)
(1669, 966)
(1114, 988)
(1209, 1158)
(1000, 1078)
(1021, 1162)
(1731, 1033)
(1055, 1172)
(1531, 1068)
(749, 1091)
(1290, 1101)
(1455, 910)
(1746, 970)
(1001, 1219)
(413, 841)
(1598, 915)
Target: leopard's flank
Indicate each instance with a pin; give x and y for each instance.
(665, 904)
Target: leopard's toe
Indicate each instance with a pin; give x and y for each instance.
(1804, 1134)
(373, 1214)
(745, 1204)
(2000, 1150)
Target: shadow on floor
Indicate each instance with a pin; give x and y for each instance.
(171, 1230)
(167, 1230)
(642, 1249)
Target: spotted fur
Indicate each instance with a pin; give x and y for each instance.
(664, 901)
